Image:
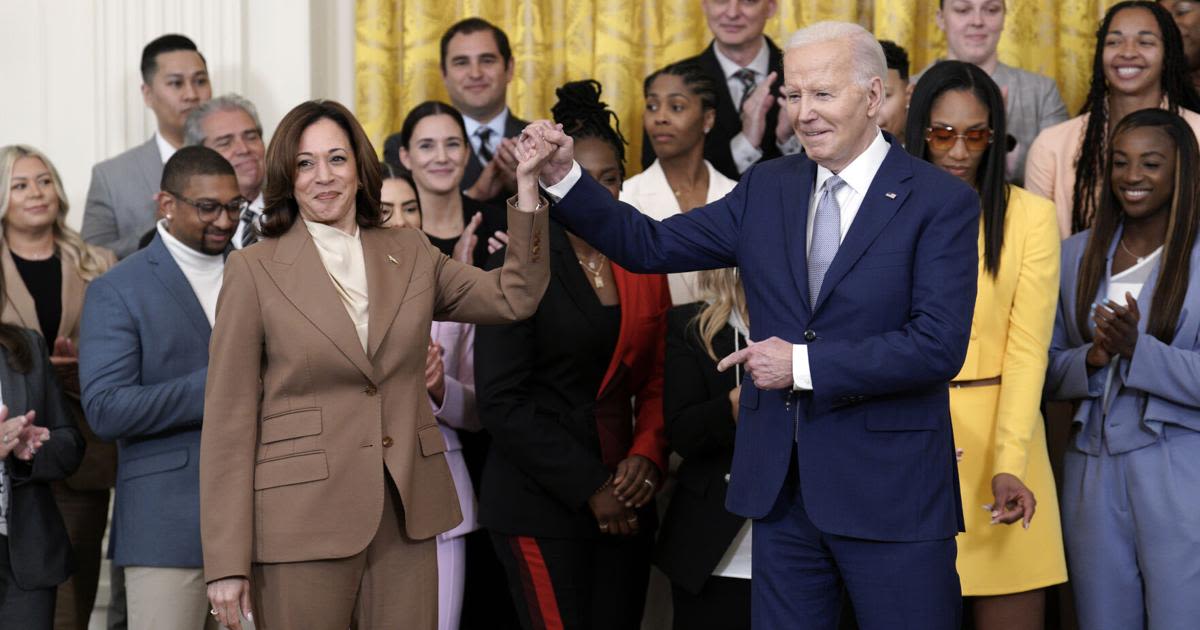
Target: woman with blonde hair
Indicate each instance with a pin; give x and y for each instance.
(46, 268)
(703, 548)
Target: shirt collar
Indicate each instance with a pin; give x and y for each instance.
(496, 124)
(165, 150)
(859, 173)
(328, 233)
(258, 204)
(760, 65)
(185, 256)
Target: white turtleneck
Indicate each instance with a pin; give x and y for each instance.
(342, 255)
(203, 272)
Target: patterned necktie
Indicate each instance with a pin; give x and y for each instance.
(485, 151)
(826, 236)
(746, 76)
(249, 234)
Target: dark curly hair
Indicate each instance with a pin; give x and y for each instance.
(583, 115)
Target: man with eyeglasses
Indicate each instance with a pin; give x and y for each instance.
(143, 364)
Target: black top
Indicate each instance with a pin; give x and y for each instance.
(697, 529)
(43, 278)
(493, 220)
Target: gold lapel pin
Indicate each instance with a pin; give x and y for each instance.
(888, 195)
(392, 260)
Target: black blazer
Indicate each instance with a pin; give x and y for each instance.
(536, 384)
(697, 529)
(37, 538)
(729, 119)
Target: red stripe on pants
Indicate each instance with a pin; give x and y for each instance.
(539, 591)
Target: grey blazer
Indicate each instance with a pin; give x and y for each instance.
(120, 201)
(1033, 103)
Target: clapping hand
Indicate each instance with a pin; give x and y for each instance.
(755, 108)
(435, 373)
(19, 436)
(464, 249)
(1117, 327)
(65, 360)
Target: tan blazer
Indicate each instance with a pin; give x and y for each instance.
(99, 468)
(300, 423)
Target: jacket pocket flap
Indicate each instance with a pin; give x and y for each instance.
(291, 424)
(291, 469)
(151, 464)
(431, 440)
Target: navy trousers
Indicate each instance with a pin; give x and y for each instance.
(801, 574)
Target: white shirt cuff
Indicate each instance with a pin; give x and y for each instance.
(744, 154)
(792, 146)
(801, 376)
(564, 186)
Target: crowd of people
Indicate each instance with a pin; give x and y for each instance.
(481, 378)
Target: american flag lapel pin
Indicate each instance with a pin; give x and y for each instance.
(890, 195)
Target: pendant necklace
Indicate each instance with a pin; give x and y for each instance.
(1140, 259)
(595, 268)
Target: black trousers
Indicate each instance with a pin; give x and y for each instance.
(487, 604)
(20, 608)
(723, 604)
(577, 584)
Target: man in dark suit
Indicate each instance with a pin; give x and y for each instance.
(477, 66)
(859, 265)
(143, 360)
(120, 201)
(748, 67)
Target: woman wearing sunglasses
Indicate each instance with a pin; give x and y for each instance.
(956, 118)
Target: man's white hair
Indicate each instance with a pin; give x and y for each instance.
(869, 61)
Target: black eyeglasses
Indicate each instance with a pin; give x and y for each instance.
(207, 209)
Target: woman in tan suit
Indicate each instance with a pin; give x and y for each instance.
(323, 480)
(46, 269)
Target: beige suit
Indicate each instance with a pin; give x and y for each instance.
(300, 423)
(83, 497)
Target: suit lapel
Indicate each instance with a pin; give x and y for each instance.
(513, 126)
(883, 199)
(794, 194)
(151, 164)
(389, 274)
(72, 300)
(167, 271)
(300, 275)
(727, 113)
(17, 293)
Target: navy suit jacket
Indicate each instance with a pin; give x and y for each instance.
(888, 332)
(143, 360)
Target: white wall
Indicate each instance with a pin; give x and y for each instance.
(70, 68)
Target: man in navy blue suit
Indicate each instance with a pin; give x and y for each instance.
(859, 266)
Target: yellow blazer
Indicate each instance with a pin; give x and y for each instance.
(300, 424)
(99, 468)
(1013, 322)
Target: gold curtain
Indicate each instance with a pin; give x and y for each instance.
(619, 42)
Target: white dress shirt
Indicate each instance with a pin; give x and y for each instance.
(744, 154)
(203, 272)
(256, 207)
(858, 176)
(165, 150)
(497, 126)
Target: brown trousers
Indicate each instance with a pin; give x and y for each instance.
(85, 513)
(390, 584)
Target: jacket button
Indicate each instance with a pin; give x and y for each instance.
(370, 390)
(387, 442)
(810, 335)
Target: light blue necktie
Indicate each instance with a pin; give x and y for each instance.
(826, 236)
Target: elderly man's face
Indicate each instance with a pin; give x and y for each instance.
(833, 115)
(233, 134)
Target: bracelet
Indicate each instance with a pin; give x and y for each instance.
(603, 486)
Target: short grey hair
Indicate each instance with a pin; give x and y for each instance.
(869, 60)
(193, 130)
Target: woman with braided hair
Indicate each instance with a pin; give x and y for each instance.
(573, 400)
(1139, 63)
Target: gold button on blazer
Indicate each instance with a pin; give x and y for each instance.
(300, 424)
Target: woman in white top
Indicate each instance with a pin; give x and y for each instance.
(681, 105)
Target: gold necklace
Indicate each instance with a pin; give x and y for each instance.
(1140, 259)
(594, 268)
